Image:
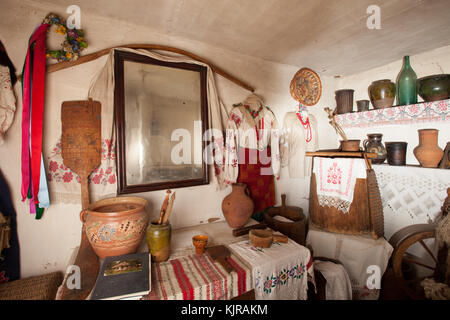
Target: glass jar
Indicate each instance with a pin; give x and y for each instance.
(158, 241)
(374, 145)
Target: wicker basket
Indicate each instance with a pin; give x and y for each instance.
(34, 288)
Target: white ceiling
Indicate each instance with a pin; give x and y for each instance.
(329, 36)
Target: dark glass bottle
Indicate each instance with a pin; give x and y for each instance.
(406, 84)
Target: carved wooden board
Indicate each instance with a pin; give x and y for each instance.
(81, 140)
(81, 152)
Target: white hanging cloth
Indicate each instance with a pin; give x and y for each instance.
(298, 137)
(7, 102)
(103, 181)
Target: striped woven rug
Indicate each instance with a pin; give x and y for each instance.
(198, 277)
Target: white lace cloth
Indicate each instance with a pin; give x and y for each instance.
(410, 195)
(279, 272)
(336, 179)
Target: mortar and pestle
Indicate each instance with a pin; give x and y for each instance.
(292, 223)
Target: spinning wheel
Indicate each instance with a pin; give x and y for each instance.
(405, 239)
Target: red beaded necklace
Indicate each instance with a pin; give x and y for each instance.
(253, 113)
(306, 124)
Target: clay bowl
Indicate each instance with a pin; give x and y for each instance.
(261, 238)
(115, 226)
(435, 87)
(350, 145)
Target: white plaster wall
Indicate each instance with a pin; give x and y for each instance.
(46, 244)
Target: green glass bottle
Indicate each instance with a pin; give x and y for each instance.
(406, 84)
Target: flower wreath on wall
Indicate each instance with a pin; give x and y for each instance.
(73, 44)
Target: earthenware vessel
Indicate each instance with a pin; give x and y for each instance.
(350, 145)
(158, 241)
(261, 238)
(115, 226)
(237, 207)
(362, 105)
(406, 84)
(374, 145)
(396, 153)
(344, 101)
(428, 152)
(200, 241)
(435, 87)
(382, 93)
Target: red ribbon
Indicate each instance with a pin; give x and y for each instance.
(35, 93)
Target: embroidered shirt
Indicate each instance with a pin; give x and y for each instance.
(7, 102)
(257, 131)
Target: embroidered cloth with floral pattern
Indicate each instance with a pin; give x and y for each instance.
(336, 180)
(279, 272)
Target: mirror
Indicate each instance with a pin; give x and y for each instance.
(161, 115)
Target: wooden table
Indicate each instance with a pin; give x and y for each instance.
(188, 276)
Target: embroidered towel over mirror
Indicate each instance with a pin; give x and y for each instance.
(336, 180)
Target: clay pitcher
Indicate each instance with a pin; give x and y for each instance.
(428, 152)
(237, 207)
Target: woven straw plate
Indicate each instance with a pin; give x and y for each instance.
(306, 87)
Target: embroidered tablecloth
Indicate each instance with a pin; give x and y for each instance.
(336, 179)
(198, 277)
(279, 272)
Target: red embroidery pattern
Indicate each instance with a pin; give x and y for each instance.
(337, 190)
(334, 174)
(236, 119)
(58, 172)
(3, 278)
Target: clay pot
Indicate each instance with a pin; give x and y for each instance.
(344, 101)
(158, 241)
(374, 145)
(382, 93)
(396, 153)
(115, 226)
(428, 152)
(237, 207)
(362, 105)
(435, 87)
(350, 145)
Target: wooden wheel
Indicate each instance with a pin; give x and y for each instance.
(403, 240)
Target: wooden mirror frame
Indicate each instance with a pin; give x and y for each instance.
(119, 109)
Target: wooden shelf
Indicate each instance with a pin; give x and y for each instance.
(436, 111)
(338, 153)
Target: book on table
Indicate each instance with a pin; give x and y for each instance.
(123, 277)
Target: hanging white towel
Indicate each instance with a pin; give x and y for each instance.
(336, 179)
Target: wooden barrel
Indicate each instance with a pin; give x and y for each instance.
(357, 221)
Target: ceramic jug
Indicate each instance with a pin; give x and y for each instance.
(428, 152)
(237, 207)
(373, 144)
